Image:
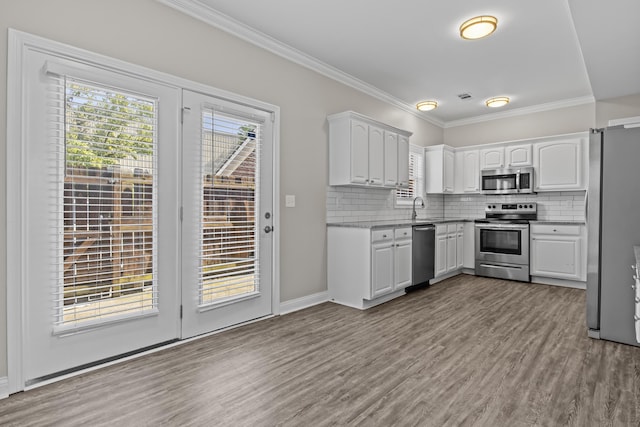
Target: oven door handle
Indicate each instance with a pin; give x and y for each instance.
(518, 181)
(502, 226)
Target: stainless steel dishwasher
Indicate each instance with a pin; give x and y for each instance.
(423, 255)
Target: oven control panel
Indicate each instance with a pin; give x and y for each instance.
(512, 208)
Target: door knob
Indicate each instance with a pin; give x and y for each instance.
(268, 229)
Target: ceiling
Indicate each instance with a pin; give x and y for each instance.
(545, 53)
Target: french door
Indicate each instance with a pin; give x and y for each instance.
(130, 239)
(227, 188)
(99, 185)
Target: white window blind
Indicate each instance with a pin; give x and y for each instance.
(416, 177)
(106, 203)
(230, 188)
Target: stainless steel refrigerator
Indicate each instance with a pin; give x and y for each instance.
(614, 229)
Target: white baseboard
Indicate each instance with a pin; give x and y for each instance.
(4, 387)
(303, 302)
(559, 282)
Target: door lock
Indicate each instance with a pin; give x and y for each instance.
(268, 229)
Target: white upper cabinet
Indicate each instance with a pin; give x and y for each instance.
(376, 156)
(492, 158)
(439, 164)
(560, 164)
(365, 152)
(467, 171)
(518, 155)
(359, 152)
(403, 161)
(390, 158)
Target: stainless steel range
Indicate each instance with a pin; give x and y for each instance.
(502, 240)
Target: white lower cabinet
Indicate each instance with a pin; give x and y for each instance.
(366, 267)
(449, 248)
(381, 268)
(558, 251)
(402, 260)
(441, 252)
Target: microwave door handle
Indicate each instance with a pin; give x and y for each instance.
(518, 181)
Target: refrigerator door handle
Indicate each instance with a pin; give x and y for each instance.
(586, 207)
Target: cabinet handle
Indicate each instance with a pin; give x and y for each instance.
(384, 235)
(554, 230)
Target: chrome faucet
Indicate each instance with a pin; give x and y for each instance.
(414, 214)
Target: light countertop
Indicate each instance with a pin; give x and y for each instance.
(397, 222)
(558, 222)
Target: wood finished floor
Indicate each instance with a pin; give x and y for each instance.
(468, 351)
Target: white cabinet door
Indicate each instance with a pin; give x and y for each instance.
(518, 155)
(402, 264)
(556, 256)
(470, 172)
(451, 252)
(448, 159)
(492, 158)
(559, 164)
(382, 277)
(439, 170)
(403, 161)
(441, 255)
(376, 156)
(460, 250)
(390, 159)
(359, 152)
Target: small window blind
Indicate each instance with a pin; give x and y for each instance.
(106, 204)
(230, 188)
(416, 177)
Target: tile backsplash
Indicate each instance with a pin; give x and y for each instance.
(559, 206)
(345, 204)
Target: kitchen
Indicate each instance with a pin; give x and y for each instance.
(304, 158)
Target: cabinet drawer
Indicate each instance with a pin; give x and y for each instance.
(441, 229)
(565, 230)
(452, 228)
(381, 235)
(403, 233)
(460, 227)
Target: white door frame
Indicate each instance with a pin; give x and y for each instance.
(19, 42)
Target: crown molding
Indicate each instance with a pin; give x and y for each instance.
(565, 103)
(198, 10)
(202, 12)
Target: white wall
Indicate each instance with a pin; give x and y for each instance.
(147, 33)
(617, 108)
(546, 123)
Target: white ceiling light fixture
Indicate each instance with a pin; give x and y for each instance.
(498, 101)
(427, 105)
(478, 27)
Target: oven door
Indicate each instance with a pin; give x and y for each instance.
(504, 243)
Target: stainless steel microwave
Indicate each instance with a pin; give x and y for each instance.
(507, 181)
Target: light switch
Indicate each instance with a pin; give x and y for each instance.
(290, 200)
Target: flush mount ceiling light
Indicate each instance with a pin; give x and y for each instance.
(498, 101)
(478, 27)
(427, 105)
